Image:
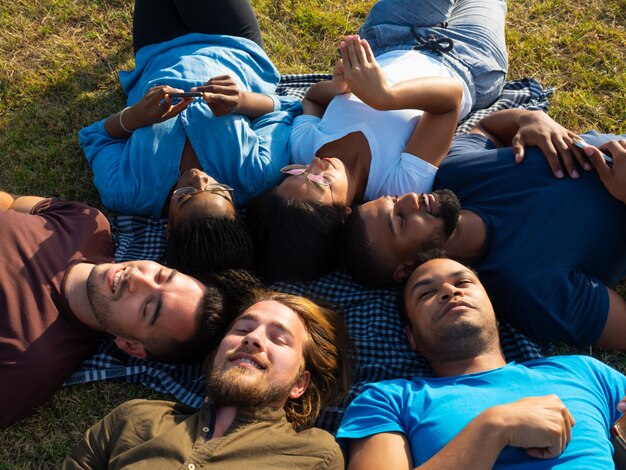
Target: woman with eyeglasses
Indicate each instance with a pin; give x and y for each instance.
(203, 130)
(381, 125)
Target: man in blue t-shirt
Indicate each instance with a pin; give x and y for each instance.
(546, 248)
(479, 412)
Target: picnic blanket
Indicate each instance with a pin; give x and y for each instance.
(380, 349)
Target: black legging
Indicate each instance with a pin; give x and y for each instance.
(157, 21)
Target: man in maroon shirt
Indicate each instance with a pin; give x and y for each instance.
(59, 289)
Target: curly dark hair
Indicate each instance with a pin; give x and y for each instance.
(209, 244)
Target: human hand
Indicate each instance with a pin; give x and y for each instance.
(542, 426)
(621, 406)
(536, 128)
(363, 75)
(222, 95)
(338, 82)
(613, 178)
(155, 106)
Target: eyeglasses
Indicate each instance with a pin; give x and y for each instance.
(320, 179)
(211, 188)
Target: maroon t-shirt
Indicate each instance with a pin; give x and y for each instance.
(41, 341)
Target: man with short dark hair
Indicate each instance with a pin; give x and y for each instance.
(59, 290)
(479, 411)
(548, 250)
(280, 362)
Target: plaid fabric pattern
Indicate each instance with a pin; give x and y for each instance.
(380, 350)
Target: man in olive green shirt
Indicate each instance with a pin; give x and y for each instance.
(281, 361)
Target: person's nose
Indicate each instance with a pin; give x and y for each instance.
(409, 200)
(316, 166)
(199, 179)
(449, 291)
(253, 340)
(139, 281)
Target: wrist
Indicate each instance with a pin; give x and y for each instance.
(495, 427)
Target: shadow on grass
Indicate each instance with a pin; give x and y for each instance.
(39, 147)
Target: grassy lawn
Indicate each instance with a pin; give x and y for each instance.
(58, 72)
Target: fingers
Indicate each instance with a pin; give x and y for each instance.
(621, 406)
(355, 51)
(518, 147)
(597, 160)
(548, 149)
(369, 54)
(561, 143)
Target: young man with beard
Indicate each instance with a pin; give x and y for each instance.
(281, 361)
(479, 412)
(59, 290)
(548, 250)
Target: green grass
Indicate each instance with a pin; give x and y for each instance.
(58, 72)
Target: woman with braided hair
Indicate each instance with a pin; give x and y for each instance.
(203, 132)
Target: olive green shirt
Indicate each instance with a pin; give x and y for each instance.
(161, 434)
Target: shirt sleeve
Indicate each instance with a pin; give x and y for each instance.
(609, 383)
(302, 139)
(104, 154)
(411, 175)
(93, 451)
(570, 306)
(376, 410)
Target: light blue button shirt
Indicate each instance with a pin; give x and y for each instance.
(135, 175)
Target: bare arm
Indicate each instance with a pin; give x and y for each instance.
(520, 128)
(613, 337)
(18, 203)
(540, 425)
(438, 97)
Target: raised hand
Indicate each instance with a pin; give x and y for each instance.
(363, 75)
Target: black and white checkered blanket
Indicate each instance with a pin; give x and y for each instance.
(381, 350)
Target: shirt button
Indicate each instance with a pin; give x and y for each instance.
(191, 466)
(205, 429)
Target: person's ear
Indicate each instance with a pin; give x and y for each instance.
(347, 210)
(409, 336)
(403, 271)
(300, 386)
(131, 346)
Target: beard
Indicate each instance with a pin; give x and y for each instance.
(100, 306)
(238, 387)
(448, 211)
(461, 341)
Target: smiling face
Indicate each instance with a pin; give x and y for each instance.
(260, 361)
(144, 301)
(202, 204)
(397, 228)
(450, 315)
(301, 188)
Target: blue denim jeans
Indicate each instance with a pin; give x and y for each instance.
(475, 26)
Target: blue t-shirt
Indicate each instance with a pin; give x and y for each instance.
(135, 175)
(552, 245)
(431, 411)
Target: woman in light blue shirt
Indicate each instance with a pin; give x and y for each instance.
(229, 140)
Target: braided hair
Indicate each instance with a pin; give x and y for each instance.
(209, 244)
